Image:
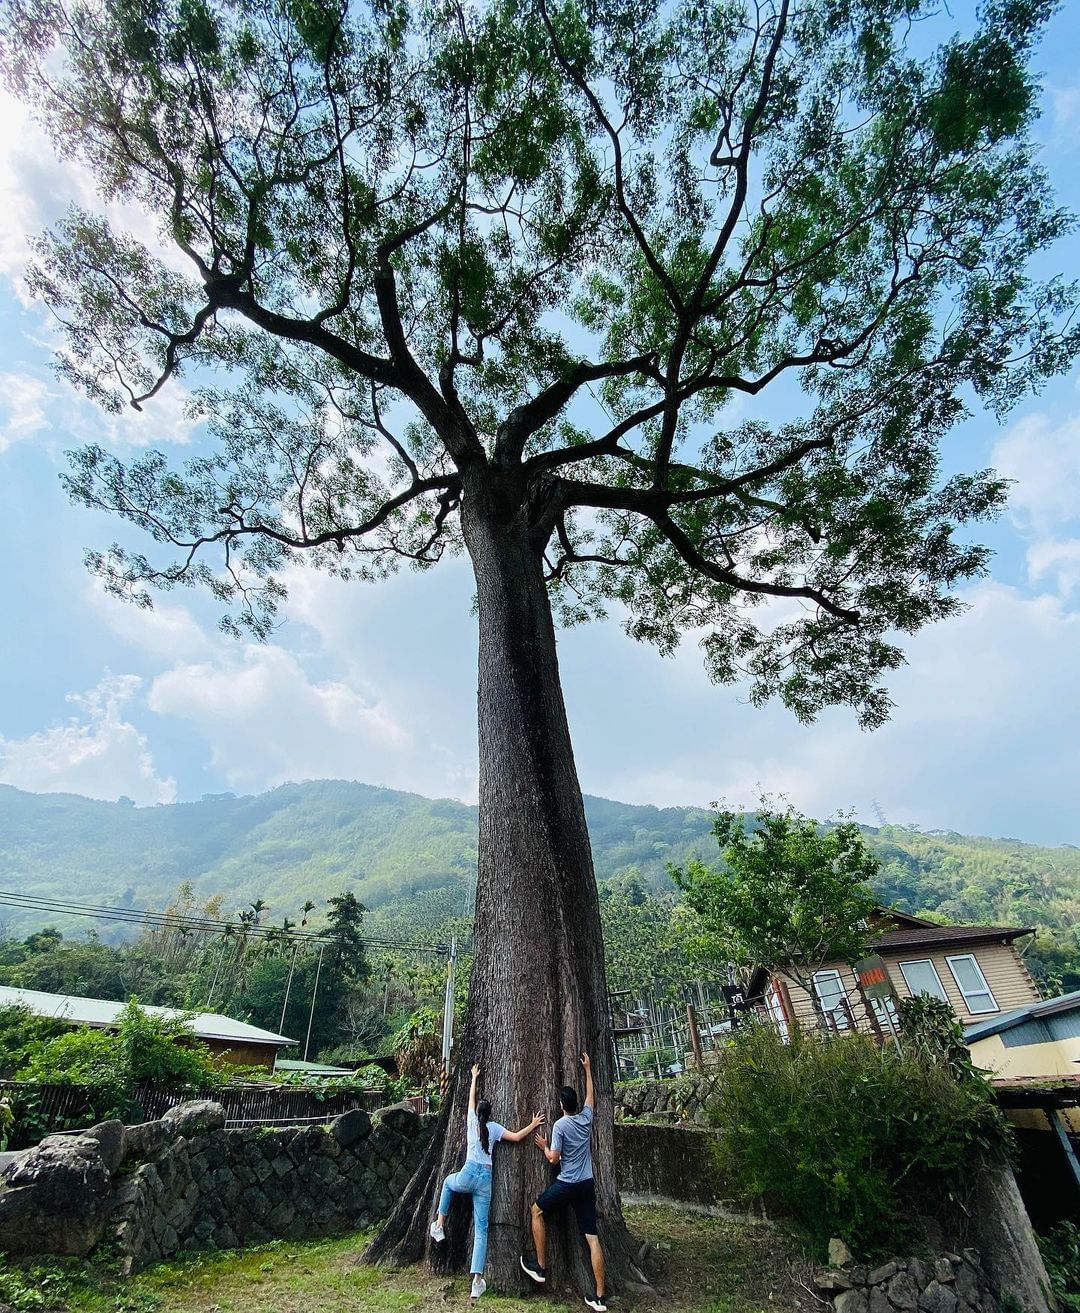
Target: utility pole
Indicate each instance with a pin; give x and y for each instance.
(448, 1015)
(288, 986)
(695, 1037)
(314, 991)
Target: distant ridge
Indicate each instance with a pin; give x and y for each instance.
(312, 839)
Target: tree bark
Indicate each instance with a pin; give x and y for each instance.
(538, 994)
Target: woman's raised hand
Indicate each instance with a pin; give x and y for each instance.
(539, 1119)
(475, 1070)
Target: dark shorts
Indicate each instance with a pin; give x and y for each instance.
(578, 1195)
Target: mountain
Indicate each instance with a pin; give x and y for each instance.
(400, 852)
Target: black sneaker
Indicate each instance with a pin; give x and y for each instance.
(596, 1303)
(532, 1269)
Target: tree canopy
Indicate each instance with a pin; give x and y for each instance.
(789, 896)
(560, 248)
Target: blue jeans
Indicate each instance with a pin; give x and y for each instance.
(473, 1179)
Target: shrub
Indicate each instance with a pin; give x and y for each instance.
(111, 1064)
(21, 1033)
(846, 1137)
(1061, 1254)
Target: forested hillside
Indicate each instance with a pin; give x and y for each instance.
(411, 859)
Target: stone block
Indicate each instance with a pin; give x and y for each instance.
(937, 1298)
(303, 1142)
(56, 1199)
(280, 1216)
(146, 1141)
(878, 1301)
(281, 1166)
(943, 1270)
(883, 1273)
(967, 1284)
(225, 1238)
(195, 1116)
(829, 1280)
(903, 1292)
(110, 1138)
(401, 1120)
(255, 1203)
(351, 1127)
(851, 1301)
(921, 1273)
(328, 1146)
(839, 1253)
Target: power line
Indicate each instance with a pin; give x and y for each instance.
(207, 925)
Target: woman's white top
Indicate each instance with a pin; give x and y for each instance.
(476, 1152)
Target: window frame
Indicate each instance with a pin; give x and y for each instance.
(838, 1014)
(989, 993)
(915, 993)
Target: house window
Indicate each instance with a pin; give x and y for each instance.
(775, 1004)
(921, 977)
(972, 983)
(887, 1016)
(832, 996)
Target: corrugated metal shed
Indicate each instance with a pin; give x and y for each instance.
(1048, 1019)
(103, 1014)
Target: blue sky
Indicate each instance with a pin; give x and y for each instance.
(377, 682)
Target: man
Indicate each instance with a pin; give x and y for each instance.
(571, 1151)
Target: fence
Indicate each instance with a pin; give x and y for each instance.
(42, 1109)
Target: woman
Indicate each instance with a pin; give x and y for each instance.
(475, 1177)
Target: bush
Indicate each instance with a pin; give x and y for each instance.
(111, 1064)
(1061, 1254)
(848, 1138)
(21, 1033)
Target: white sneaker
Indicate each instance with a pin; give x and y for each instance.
(479, 1285)
(437, 1233)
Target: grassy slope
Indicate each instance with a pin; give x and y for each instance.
(712, 1266)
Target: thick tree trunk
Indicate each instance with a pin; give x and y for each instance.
(538, 995)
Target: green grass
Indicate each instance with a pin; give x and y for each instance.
(698, 1265)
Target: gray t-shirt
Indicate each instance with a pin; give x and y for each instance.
(572, 1136)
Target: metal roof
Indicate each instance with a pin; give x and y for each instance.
(1046, 1007)
(105, 1013)
(311, 1068)
(917, 936)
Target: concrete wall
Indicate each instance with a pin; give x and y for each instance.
(667, 1163)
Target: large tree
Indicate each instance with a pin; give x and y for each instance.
(510, 279)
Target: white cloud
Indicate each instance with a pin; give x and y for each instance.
(1042, 456)
(1065, 116)
(22, 407)
(36, 188)
(167, 630)
(96, 753)
(1057, 560)
(986, 724)
(266, 722)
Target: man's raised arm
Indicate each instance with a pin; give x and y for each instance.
(590, 1096)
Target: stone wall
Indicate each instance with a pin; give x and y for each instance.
(683, 1100)
(951, 1283)
(186, 1182)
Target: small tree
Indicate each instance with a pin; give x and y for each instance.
(789, 897)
